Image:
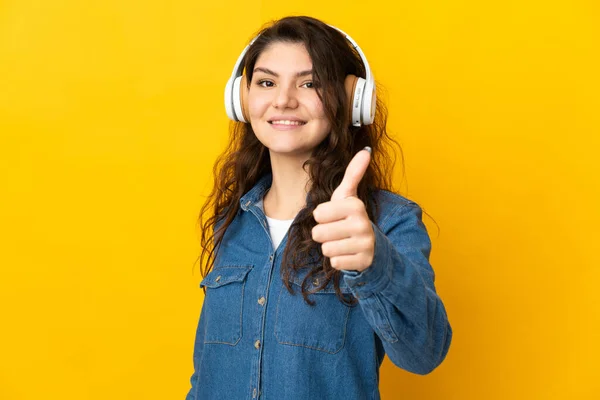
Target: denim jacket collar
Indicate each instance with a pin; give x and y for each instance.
(255, 195)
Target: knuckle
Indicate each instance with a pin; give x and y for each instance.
(365, 224)
(357, 205)
(359, 225)
(316, 213)
(365, 244)
(315, 233)
(334, 262)
(325, 248)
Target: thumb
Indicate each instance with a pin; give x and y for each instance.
(354, 173)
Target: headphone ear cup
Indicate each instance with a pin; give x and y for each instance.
(350, 85)
(240, 99)
(369, 104)
(237, 104)
(244, 99)
(354, 90)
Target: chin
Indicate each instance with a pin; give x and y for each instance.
(289, 151)
(292, 143)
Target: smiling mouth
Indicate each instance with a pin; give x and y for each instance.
(287, 122)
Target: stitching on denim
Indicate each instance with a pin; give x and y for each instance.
(280, 341)
(344, 288)
(385, 328)
(241, 314)
(277, 310)
(210, 284)
(395, 210)
(242, 310)
(234, 266)
(396, 198)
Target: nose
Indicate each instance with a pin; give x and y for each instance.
(285, 97)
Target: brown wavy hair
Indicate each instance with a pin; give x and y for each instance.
(246, 159)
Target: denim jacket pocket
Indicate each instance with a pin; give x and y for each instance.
(224, 301)
(320, 327)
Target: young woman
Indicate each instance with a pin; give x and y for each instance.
(315, 269)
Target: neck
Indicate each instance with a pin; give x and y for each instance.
(287, 195)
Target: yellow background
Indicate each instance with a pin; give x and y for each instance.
(111, 115)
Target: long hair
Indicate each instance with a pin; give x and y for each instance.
(246, 159)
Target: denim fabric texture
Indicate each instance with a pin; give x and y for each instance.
(255, 340)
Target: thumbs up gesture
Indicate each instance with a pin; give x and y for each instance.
(343, 225)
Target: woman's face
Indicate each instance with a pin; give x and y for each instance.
(286, 114)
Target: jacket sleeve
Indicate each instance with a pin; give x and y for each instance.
(398, 296)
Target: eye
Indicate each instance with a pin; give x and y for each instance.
(264, 83)
(309, 85)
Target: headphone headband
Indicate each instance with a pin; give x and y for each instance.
(368, 77)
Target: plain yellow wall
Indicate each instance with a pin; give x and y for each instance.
(111, 115)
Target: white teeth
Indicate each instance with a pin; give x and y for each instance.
(286, 122)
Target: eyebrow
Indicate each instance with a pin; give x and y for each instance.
(269, 72)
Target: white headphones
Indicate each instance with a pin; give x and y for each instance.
(360, 90)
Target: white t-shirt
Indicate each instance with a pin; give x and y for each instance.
(278, 228)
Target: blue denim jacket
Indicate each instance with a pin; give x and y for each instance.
(257, 341)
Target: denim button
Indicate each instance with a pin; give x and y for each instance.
(254, 393)
(261, 300)
(247, 203)
(271, 257)
(316, 281)
(218, 278)
(257, 344)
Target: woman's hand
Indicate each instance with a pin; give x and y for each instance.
(343, 226)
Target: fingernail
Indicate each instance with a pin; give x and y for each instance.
(367, 148)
